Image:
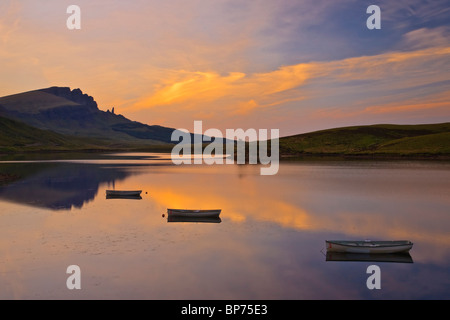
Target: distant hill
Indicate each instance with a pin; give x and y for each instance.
(426, 140)
(70, 112)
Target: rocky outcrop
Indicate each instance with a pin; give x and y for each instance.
(75, 95)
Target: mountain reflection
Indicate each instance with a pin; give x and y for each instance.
(57, 186)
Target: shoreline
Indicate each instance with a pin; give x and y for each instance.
(6, 177)
(283, 157)
(381, 156)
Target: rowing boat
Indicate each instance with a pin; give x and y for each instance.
(119, 193)
(193, 213)
(368, 246)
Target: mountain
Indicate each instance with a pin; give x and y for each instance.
(426, 140)
(73, 113)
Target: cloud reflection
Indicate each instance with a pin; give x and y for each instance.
(369, 202)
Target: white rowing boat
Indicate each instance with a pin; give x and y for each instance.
(193, 213)
(368, 246)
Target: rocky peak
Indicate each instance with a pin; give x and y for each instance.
(75, 95)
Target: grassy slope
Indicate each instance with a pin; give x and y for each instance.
(33, 102)
(16, 136)
(401, 140)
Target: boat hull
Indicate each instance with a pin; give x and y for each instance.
(372, 247)
(193, 213)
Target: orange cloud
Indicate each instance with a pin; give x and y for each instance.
(436, 104)
(241, 90)
(9, 21)
(192, 86)
(386, 66)
(396, 108)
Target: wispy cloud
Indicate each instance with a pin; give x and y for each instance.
(426, 37)
(419, 10)
(9, 19)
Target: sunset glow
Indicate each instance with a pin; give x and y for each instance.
(295, 65)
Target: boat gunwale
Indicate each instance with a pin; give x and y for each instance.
(370, 244)
(193, 210)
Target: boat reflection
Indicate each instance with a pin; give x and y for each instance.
(199, 216)
(194, 219)
(124, 194)
(367, 257)
(131, 197)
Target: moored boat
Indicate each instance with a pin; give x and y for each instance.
(193, 213)
(368, 246)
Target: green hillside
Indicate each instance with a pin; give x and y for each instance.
(16, 137)
(33, 102)
(375, 140)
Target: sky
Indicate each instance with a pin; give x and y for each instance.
(293, 65)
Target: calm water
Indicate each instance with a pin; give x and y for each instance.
(268, 245)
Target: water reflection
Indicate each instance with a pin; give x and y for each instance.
(266, 245)
(361, 201)
(123, 197)
(57, 186)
